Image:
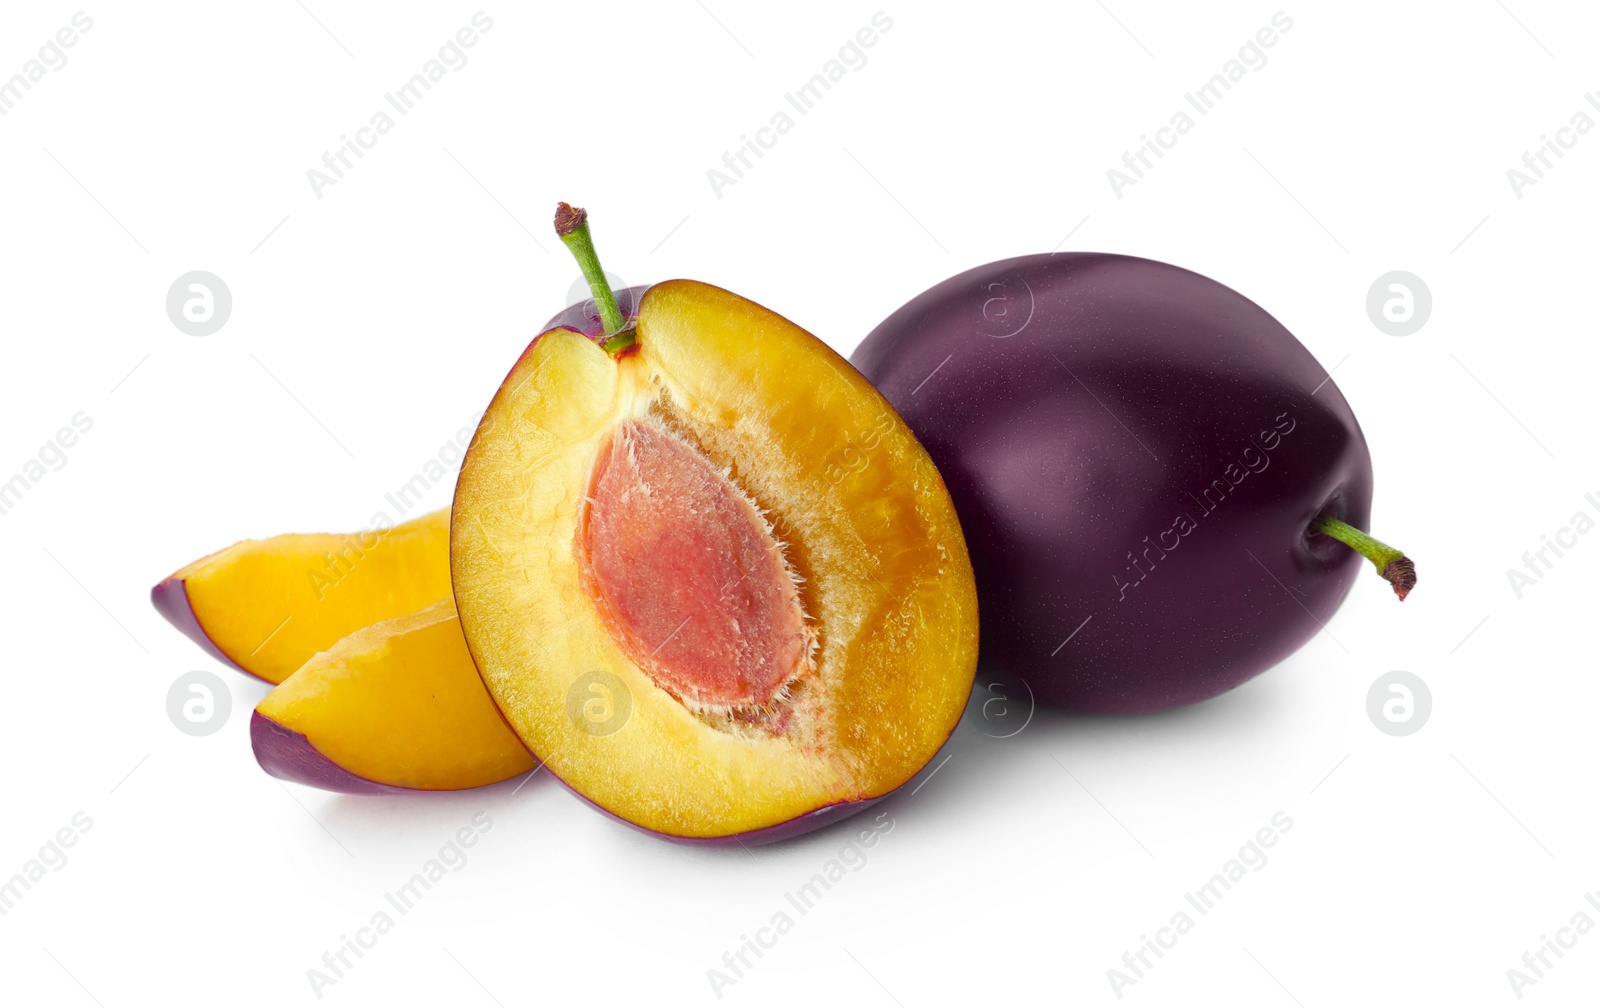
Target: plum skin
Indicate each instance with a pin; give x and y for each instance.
(1079, 406)
(171, 599)
(288, 755)
(585, 317)
(800, 825)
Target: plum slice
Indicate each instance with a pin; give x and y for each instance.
(396, 706)
(707, 573)
(265, 606)
(367, 709)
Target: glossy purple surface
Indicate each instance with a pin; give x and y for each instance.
(1135, 452)
(171, 599)
(289, 755)
(585, 318)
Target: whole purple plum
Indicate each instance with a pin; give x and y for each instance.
(1160, 487)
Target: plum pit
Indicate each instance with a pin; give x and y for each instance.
(688, 576)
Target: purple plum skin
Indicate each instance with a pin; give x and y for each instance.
(585, 317)
(288, 755)
(1080, 407)
(171, 600)
(788, 830)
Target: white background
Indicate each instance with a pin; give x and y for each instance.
(370, 323)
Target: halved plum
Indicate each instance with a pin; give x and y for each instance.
(707, 572)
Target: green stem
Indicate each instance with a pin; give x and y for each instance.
(1393, 565)
(572, 225)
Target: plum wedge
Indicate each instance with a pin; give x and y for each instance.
(397, 706)
(265, 606)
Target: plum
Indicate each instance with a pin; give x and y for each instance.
(1157, 482)
(705, 571)
(265, 606)
(396, 706)
(370, 699)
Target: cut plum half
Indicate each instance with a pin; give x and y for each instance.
(709, 575)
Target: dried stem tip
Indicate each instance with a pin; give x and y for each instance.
(1393, 566)
(1402, 574)
(570, 218)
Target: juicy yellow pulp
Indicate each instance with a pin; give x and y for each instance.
(866, 522)
(270, 604)
(400, 703)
